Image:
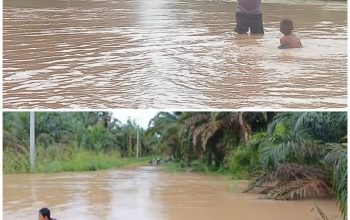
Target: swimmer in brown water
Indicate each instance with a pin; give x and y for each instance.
(44, 214)
(289, 40)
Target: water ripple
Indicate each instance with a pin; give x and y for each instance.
(170, 54)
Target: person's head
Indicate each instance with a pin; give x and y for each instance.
(44, 214)
(286, 26)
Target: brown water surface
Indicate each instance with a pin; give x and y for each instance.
(170, 53)
(147, 193)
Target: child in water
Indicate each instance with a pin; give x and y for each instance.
(289, 40)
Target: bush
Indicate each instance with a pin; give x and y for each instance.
(242, 163)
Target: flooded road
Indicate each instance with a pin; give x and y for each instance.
(146, 193)
(170, 54)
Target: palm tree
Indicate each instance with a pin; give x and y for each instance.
(336, 158)
(302, 156)
(208, 131)
(168, 127)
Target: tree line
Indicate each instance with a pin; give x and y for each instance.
(286, 155)
(290, 155)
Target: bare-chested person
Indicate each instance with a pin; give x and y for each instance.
(289, 40)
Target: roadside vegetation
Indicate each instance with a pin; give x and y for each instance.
(285, 155)
(77, 141)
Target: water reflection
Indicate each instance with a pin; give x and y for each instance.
(168, 54)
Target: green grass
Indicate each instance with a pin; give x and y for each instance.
(87, 161)
(80, 160)
(196, 167)
(173, 167)
(14, 162)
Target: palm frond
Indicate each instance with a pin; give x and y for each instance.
(203, 133)
(299, 149)
(321, 212)
(209, 132)
(292, 181)
(336, 153)
(300, 189)
(336, 157)
(197, 118)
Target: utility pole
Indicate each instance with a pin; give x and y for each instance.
(137, 142)
(32, 141)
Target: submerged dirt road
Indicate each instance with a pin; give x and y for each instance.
(146, 193)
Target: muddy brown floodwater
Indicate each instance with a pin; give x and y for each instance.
(169, 54)
(147, 193)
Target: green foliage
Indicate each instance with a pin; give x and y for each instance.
(45, 140)
(173, 167)
(304, 146)
(272, 147)
(241, 163)
(336, 158)
(325, 126)
(196, 166)
(16, 125)
(15, 155)
(293, 181)
(81, 160)
(301, 144)
(15, 161)
(98, 138)
(60, 135)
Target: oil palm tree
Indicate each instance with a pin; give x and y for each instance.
(207, 130)
(303, 156)
(168, 127)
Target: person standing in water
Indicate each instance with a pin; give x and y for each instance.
(44, 214)
(289, 40)
(249, 17)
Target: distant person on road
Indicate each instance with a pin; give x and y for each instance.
(249, 17)
(289, 40)
(44, 214)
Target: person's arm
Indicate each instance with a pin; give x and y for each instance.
(283, 43)
(282, 40)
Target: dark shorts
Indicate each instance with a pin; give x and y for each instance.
(246, 22)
